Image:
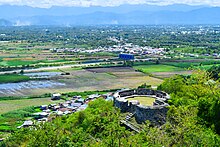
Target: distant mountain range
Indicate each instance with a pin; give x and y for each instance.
(4, 22)
(121, 15)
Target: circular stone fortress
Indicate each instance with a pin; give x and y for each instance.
(143, 104)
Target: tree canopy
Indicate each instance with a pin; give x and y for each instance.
(193, 120)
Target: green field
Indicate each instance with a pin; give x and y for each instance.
(147, 101)
(193, 63)
(16, 63)
(157, 68)
(24, 62)
(10, 105)
(9, 121)
(206, 67)
(11, 78)
(10, 118)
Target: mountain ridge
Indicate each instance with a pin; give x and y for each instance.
(197, 15)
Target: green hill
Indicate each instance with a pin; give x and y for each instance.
(192, 120)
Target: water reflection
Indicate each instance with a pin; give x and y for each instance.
(43, 74)
(12, 88)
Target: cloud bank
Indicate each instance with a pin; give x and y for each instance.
(87, 3)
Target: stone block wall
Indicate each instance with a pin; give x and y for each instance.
(156, 113)
(123, 105)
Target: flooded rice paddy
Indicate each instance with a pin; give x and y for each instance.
(43, 75)
(43, 82)
(78, 80)
(10, 89)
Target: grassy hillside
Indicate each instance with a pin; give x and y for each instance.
(192, 120)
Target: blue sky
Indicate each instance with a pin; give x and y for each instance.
(86, 3)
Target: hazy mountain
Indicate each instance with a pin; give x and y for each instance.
(122, 15)
(11, 11)
(4, 22)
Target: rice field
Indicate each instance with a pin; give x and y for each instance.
(13, 78)
(79, 81)
(157, 68)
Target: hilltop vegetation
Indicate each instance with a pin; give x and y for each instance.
(192, 120)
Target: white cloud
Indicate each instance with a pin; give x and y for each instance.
(86, 3)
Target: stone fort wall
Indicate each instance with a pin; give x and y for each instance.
(155, 113)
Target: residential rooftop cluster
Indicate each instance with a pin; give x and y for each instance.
(48, 112)
(126, 48)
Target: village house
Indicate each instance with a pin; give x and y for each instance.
(56, 96)
(40, 115)
(77, 103)
(43, 107)
(27, 123)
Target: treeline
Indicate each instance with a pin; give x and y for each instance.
(173, 36)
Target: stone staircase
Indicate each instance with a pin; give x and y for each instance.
(128, 124)
(129, 116)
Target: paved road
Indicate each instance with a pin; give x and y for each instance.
(52, 68)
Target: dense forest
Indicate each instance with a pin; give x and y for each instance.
(193, 120)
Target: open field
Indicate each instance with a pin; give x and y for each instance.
(19, 55)
(16, 63)
(157, 68)
(170, 74)
(196, 63)
(8, 62)
(146, 101)
(83, 80)
(10, 105)
(13, 78)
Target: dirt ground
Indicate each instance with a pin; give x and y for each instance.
(112, 69)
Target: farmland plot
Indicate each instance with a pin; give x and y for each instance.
(81, 80)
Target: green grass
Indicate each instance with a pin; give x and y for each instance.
(23, 62)
(11, 78)
(11, 105)
(185, 65)
(16, 63)
(206, 67)
(147, 101)
(157, 68)
(192, 64)
(10, 120)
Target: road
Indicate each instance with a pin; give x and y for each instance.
(52, 68)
